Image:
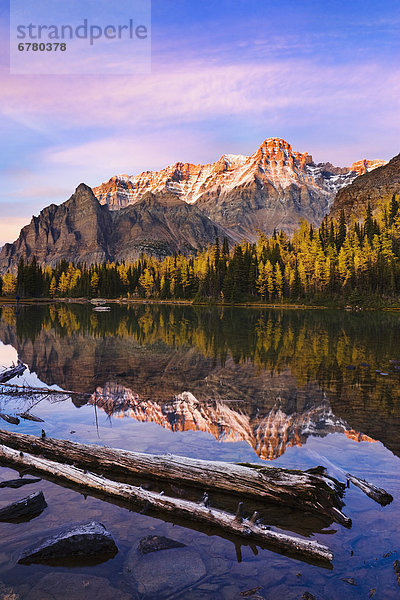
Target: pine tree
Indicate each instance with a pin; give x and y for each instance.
(53, 287)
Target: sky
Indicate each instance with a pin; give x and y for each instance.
(324, 76)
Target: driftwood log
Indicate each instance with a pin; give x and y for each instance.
(28, 417)
(378, 494)
(15, 371)
(23, 390)
(9, 419)
(313, 492)
(249, 529)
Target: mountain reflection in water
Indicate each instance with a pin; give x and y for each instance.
(268, 434)
(271, 378)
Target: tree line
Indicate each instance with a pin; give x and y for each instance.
(339, 260)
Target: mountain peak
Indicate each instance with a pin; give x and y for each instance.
(278, 150)
(270, 189)
(276, 142)
(84, 197)
(364, 166)
(83, 188)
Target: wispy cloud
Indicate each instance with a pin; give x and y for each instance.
(222, 81)
(193, 92)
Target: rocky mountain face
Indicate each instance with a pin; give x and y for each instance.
(183, 208)
(77, 230)
(371, 187)
(82, 230)
(271, 189)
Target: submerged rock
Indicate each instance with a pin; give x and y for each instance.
(25, 509)
(349, 580)
(155, 543)
(72, 586)
(396, 566)
(252, 593)
(160, 573)
(7, 593)
(87, 539)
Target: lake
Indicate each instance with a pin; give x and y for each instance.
(288, 388)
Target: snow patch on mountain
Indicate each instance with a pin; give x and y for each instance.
(275, 164)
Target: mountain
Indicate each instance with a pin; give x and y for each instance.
(82, 230)
(271, 189)
(371, 187)
(183, 208)
(77, 230)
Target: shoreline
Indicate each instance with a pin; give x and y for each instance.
(220, 304)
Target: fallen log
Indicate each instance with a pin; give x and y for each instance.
(22, 390)
(248, 529)
(24, 509)
(9, 419)
(310, 492)
(378, 494)
(14, 371)
(28, 417)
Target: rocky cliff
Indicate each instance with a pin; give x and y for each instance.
(372, 187)
(183, 208)
(82, 230)
(77, 230)
(272, 189)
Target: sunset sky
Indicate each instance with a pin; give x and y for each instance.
(225, 76)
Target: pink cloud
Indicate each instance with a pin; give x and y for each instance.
(286, 93)
(190, 92)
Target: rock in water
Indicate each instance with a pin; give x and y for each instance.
(25, 509)
(17, 483)
(154, 543)
(396, 566)
(161, 573)
(7, 593)
(73, 586)
(87, 539)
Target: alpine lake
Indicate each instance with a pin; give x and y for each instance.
(287, 388)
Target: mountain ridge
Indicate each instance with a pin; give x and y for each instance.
(183, 208)
(190, 181)
(81, 230)
(274, 188)
(370, 188)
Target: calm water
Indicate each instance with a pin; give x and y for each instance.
(294, 388)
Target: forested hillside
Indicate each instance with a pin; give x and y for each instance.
(340, 260)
